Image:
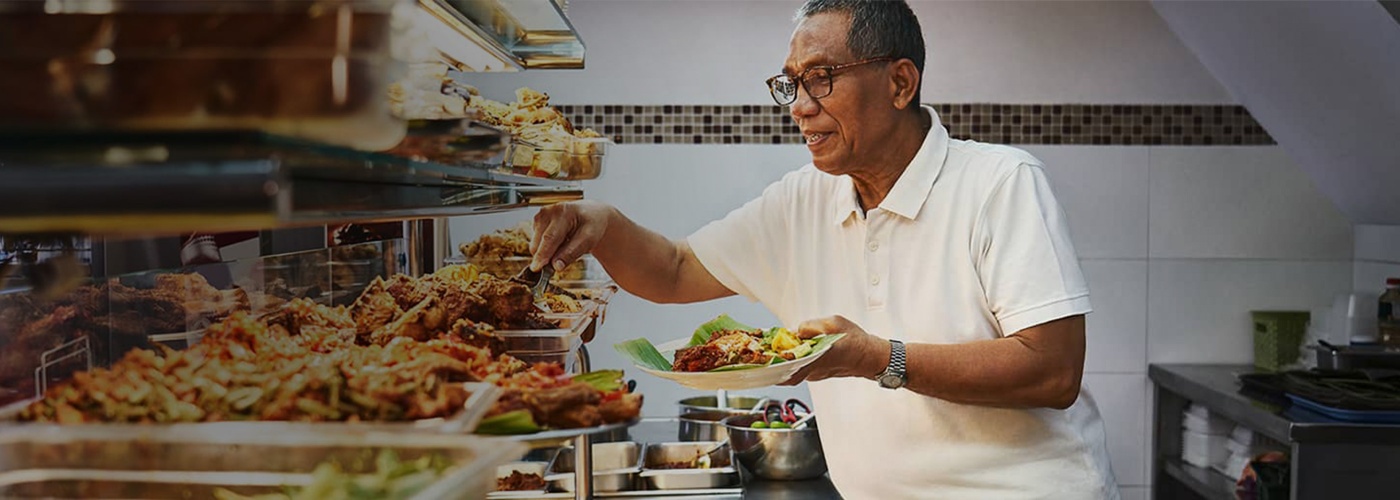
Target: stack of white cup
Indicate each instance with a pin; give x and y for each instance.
(1241, 448)
(1203, 437)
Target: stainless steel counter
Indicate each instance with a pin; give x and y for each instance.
(1329, 460)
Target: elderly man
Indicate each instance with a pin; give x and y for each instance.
(947, 263)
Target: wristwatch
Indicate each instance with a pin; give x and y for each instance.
(894, 376)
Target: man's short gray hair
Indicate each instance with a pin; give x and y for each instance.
(879, 28)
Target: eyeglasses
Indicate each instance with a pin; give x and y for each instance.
(816, 79)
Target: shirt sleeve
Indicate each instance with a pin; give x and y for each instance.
(1028, 266)
(744, 249)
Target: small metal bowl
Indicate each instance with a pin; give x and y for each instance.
(710, 403)
(776, 454)
(705, 425)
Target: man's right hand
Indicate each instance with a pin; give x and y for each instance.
(644, 263)
(566, 231)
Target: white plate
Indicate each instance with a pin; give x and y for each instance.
(752, 378)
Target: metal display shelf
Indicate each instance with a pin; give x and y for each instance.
(526, 34)
(153, 183)
(1207, 483)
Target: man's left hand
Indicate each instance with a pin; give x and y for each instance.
(858, 354)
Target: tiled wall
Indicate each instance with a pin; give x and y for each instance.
(1118, 124)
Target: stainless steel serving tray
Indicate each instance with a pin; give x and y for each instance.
(483, 396)
(723, 474)
(615, 467)
(192, 460)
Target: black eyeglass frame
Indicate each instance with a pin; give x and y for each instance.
(830, 72)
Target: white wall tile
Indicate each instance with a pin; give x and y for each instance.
(1134, 492)
(1198, 310)
(1103, 190)
(1120, 398)
(1369, 277)
(1117, 329)
(676, 189)
(1378, 243)
(1240, 202)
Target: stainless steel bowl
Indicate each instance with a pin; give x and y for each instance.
(705, 425)
(777, 454)
(709, 403)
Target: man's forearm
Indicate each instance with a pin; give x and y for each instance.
(651, 266)
(1037, 368)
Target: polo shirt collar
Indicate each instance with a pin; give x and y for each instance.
(912, 189)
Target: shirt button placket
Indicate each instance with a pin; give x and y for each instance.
(878, 268)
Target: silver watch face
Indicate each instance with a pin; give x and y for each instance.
(891, 381)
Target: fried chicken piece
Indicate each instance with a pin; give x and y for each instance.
(456, 302)
(192, 286)
(562, 303)
(509, 401)
(374, 308)
(163, 309)
(622, 409)
(568, 407)
(724, 348)
(510, 304)
(408, 292)
(301, 314)
(479, 335)
(411, 324)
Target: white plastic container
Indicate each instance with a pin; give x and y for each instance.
(1213, 425)
(1242, 435)
(1203, 450)
(1233, 466)
(1198, 419)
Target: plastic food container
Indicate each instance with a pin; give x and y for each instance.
(315, 70)
(135, 461)
(1203, 450)
(585, 270)
(1207, 424)
(577, 159)
(615, 467)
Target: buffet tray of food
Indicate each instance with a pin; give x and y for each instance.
(480, 397)
(626, 469)
(188, 461)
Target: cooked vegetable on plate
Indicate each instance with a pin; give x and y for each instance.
(722, 345)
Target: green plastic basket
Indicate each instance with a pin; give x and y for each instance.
(1278, 337)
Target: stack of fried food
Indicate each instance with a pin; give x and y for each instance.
(531, 119)
(394, 355)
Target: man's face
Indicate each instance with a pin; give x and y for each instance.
(841, 130)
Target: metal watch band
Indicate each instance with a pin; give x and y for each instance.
(895, 368)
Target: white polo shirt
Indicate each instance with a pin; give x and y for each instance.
(970, 244)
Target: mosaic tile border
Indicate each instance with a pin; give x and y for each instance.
(1084, 124)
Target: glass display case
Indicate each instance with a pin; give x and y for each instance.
(167, 165)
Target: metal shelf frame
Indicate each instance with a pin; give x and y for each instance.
(153, 183)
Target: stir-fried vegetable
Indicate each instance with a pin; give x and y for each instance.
(392, 479)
